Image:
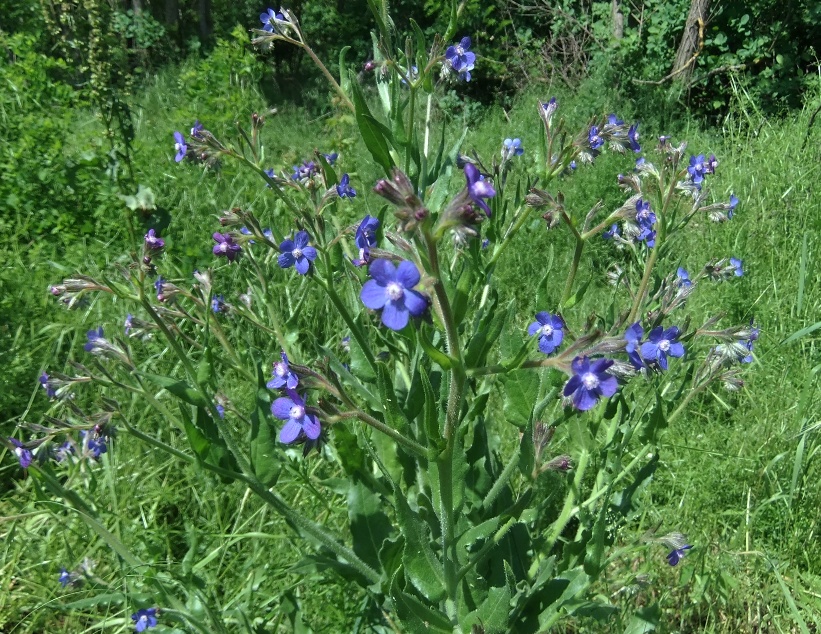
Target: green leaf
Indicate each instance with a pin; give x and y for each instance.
(370, 527)
(430, 422)
(264, 459)
(374, 134)
(422, 567)
(521, 391)
(394, 417)
(344, 77)
(180, 389)
(436, 355)
(576, 297)
(644, 620)
(416, 617)
(205, 370)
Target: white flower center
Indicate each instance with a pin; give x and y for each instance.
(178, 146)
(297, 412)
(297, 253)
(223, 247)
(590, 380)
(547, 330)
(664, 345)
(394, 291)
(280, 370)
(18, 451)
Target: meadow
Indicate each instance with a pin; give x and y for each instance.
(738, 471)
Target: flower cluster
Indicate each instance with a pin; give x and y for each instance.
(460, 59)
(660, 344)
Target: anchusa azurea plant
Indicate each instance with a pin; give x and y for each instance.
(492, 448)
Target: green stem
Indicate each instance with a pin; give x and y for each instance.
(501, 482)
(523, 215)
(413, 446)
(348, 103)
(356, 331)
(280, 506)
(409, 130)
(554, 362)
(574, 268)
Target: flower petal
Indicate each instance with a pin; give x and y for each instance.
(533, 328)
(286, 260)
(407, 274)
(584, 400)
(608, 386)
(281, 408)
(302, 265)
(382, 271)
(573, 384)
(395, 316)
(373, 295)
(310, 253)
(289, 432)
(301, 239)
(310, 425)
(415, 303)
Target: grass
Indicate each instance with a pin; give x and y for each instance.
(739, 475)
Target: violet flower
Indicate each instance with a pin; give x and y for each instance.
(590, 382)
(283, 377)
(225, 246)
(391, 290)
(478, 187)
(291, 408)
(180, 146)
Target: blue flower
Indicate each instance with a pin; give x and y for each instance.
(478, 187)
(613, 120)
(180, 146)
(460, 58)
(153, 241)
(365, 239)
(737, 267)
(593, 139)
(65, 577)
(633, 337)
(196, 129)
(633, 138)
(391, 290)
(291, 408)
(612, 232)
(297, 253)
(48, 386)
(270, 20)
(550, 329)
(696, 169)
(95, 340)
(331, 158)
(590, 382)
(675, 555)
(731, 207)
(94, 446)
(225, 246)
(572, 165)
(270, 174)
(683, 277)
(24, 456)
(144, 619)
(344, 188)
(511, 147)
(710, 164)
(304, 172)
(283, 377)
(220, 410)
(662, 343)
(218, 304)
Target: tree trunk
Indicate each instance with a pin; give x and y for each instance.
(204, 10)
(172, 12)
(691, 40)
(618, 20)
